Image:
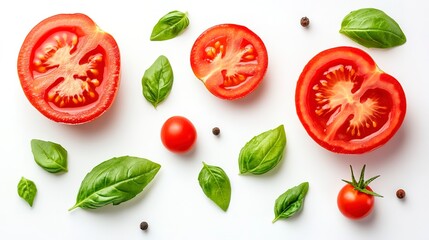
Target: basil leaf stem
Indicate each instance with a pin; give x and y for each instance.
(115, 181)
(216, 185)
(372, 28)
(157, 81)
(290, 202)
(169, 26)
(263, 152)
(49, 155)
(27, 190)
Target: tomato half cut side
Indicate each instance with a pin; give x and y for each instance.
(230, 60)
(346, 103)
(69, 68)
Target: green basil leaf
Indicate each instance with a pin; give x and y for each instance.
(263, 152)
(170, 26)
(216, 185)
(290, 202)
(27, 190)
(372, 28)
(49, 155)
(157, 81)
(115, 181)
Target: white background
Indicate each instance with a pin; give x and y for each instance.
(174, 205)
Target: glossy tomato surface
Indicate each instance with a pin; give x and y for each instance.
(346, 103)
(230, 60)
(178, 134)
(353, 203)
(69, 68)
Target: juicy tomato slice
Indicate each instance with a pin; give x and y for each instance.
(230, 60)
(69, 68)
(346, 103)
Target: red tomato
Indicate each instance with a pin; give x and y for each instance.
(230, 60)
(354, 204)
(69, 68)
(178, 134)
(346, 103)
(356, 199)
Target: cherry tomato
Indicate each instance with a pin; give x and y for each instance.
(230, 60)
(356, 199)
(69, 68)
(354, 204)
(346, 103)
(178, 134)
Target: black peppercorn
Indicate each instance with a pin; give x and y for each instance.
(305, 21)
(144, 225)
(400, 193)
(216, 131)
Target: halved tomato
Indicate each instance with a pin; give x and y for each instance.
(230, 60)
(346, 103)
(69, 68)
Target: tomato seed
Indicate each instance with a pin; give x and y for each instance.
(216, 131)
(305, 21)
(144, 225)
(400, 193)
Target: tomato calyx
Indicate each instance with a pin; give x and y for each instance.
(362, 184)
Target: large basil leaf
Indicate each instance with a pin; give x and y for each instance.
(157, 81)
(290, 202)
(49, 155)
(170, 26)
(216, 185)
(27, 190)
(263, 152)
(371, 27)
(115, 181)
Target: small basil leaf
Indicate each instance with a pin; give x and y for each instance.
(170, 26)
(27, 190)
(49, 155)
(115, 181)
(263, 152)
(290, 202)
(157, 81)
(216, 185)
(372, 28)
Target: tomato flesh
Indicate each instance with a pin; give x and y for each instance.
(354, 204)
(346, 103)
(69, 69)
(230, 60)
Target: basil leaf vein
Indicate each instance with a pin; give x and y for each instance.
(169, 26)
(263, 152)
(27, 190)
(49, 155)
(115, 181)
(290, 202)
(157, 81)
(216, 185)
(372, 28)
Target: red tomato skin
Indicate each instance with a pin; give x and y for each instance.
(87, 32)
(212, 71)
(354, 204)
(178, 134)
(366, 69)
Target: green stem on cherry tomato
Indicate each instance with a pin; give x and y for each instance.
(362, 184)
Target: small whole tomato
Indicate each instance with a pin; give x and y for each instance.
(356, 199)
(178, 134)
